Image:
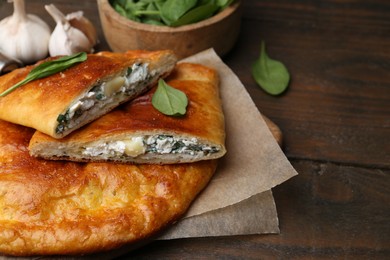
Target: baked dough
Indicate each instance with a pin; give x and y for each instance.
(137, 133)
(63, 102)
(62, 208)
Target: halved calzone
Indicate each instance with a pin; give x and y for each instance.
(138, 133)
(61, 103)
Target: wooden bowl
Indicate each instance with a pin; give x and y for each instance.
(219, 32)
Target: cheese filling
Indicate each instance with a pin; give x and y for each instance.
(105, 93)
(158, 144)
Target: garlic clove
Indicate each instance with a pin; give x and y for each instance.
(8, 64)
(66, 39)
(26, 35)
(79, 21)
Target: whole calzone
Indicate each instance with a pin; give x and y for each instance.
(58, 207)
(138, 133)
(63, 102)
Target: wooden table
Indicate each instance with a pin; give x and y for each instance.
(335, 119)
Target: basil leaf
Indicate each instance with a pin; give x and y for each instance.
(48, 68)
(196, 14)
(120, 9)
(149, 14)
(159, 4)
(172, 10)
(131, 11)
(152, 22)
(224, 3)
(168, 100)
(271, 75)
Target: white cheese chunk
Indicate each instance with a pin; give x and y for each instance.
(87, 104)
(164, 145)
(134, 146)
(74, 107)
(139, 73)
(113, 86)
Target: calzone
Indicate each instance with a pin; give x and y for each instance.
(63, 208)
(63, 102)
(138, 133)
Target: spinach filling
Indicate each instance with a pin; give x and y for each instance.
(97, 95)
(169, 144)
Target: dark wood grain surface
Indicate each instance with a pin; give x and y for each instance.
(335, 119)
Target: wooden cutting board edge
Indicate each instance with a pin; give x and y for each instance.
(275, 130)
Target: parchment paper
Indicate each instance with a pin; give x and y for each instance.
(254, 161)
(238, 200)
(256, 215)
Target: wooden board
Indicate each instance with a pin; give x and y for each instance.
(275, 130)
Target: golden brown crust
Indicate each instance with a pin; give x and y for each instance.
(39, 103)
(204, 118)
(57, 207)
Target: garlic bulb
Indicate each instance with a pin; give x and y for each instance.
(72, 34)
(24, 36)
